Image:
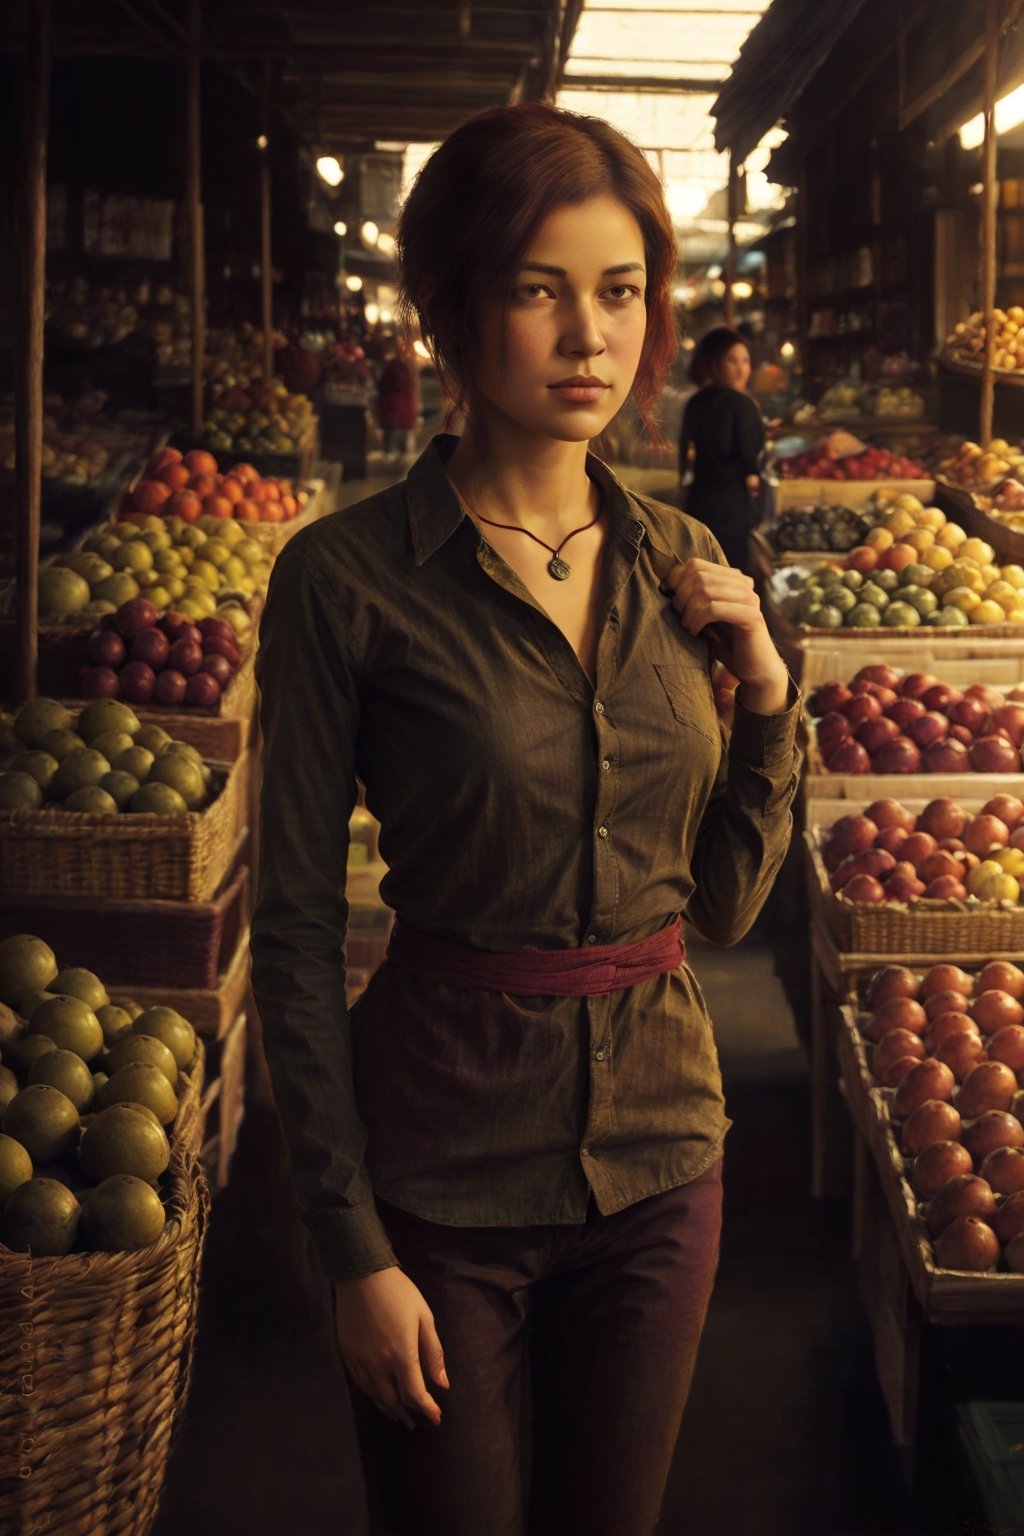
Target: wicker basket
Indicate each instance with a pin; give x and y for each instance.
(224, 1102)
(160, 944)
(210, 1010)
(804, 492)
(95, 1360)
(935, 928)
(53, 852)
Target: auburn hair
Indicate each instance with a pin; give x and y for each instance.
(477, 205)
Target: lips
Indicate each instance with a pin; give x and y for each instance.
(579, 390)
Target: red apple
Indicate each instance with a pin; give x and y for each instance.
(851, 834)
(152, 647)
(898, 756)
(185, 656)
(849, 757)
(891, 981)
(897, 1043)
(961, 1052)
(946, 977)
(914, 684)
(947, 1024)
(873, 861)
(994, 1011)
(137, 682)
(967, 1243)
(134, 616)
(940, 696)
(1008, 718)
(169, 688)
(934, 1120)
(989, 1085)
(991, 697)
(890, 838)
(995, 1128)
(828, 698)
(984, 833)
(965, 1195)
(896, 1071)
(904, 888)
(918, 847)
(961, 734)
(890, 813)
(929, 1079)
(105, 648)
(177, 627)
(1007, 1045)
(949, 756)
(202, 691)
(863, 888)
(994, 754)
(873, 734)
(98, 683)
(945, 888)
(1008, 1221)
(1008, 808)
(903, 711)
(895, 1013)
(1004, 1170)
(943, 818)
(214, 626)
(878, 672)
(938, 864)
(968, 712)
(931, 726)
(218, 667)
(935, 1165)
(832, 730)
(863, 706)
(216, 645)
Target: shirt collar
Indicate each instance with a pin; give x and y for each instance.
(435, 510)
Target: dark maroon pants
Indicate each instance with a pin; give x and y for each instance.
(570, 1352)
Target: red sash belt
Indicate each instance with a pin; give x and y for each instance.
(586, 972)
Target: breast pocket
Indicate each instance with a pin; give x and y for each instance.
(688, 687)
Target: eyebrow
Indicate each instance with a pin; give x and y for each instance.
(540, 266)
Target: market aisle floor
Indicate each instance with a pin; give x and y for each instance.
(785, 1434)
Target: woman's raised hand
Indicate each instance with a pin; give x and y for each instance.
(704, 593)
(388, 1341)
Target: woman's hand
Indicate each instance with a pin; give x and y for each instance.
(387, 1339)
(722, 600)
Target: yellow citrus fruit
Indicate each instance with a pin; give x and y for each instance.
(937, 558)
(951, 536)
(1002, 593)
(1010, 861)
(931, 517)
(899, 522)
(977, 549)
(880, 538)
(908, 502)
(1014, 574)
(964, 598)
(987, 612)
(967, 575)
(919, 539)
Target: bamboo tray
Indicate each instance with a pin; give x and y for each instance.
(946, 1296)
(934, 928)
(53, 852)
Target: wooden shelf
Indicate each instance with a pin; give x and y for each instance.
(973, 371)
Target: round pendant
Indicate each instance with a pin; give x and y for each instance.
(558, 569)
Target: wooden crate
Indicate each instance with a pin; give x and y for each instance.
(153, 944)
(210, 1010)
(223, 1104)
(847, 493)
(924, 927)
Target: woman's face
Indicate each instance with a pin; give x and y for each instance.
(733, 369)
(555, 356)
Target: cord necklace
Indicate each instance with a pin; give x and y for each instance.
(557, 568)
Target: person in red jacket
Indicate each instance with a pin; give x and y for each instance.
(397, 401)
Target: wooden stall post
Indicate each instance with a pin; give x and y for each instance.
(988, 221)
(730, 259)
(28, 362)
(266, 268)
(194, 199)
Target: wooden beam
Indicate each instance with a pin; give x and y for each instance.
(28, 360)
(989, 196)
(732, 201)
(194, 204)
(266, 255)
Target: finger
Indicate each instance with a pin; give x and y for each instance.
(699, 613)
(412, 1391)
(736, 588)
(432, 1355)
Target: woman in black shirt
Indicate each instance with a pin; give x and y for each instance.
(724, 428)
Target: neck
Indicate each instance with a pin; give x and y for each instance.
(545, 486)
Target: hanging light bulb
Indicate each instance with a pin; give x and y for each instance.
(329, 169)
(369, 232)
(372, 313)
(354, 284)
(341, 228)
(386, 244)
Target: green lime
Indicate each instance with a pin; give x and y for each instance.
(863, 616)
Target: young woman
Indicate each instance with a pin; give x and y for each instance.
(723, 426)
(509, 1152)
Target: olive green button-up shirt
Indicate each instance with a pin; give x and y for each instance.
(520, 805)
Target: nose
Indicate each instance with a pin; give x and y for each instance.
(581, 334)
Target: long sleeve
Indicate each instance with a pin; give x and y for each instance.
(309, 714)
(749, 433)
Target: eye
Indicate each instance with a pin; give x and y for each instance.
(527, 293)
(622, 293)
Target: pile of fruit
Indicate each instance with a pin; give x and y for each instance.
(1006, 505)
(204, 568)
(103, 763)
(888, 721)
(89, 1089)
(258, 418)
(943, 853)
(947, 1050)
(822, 463)
(897, 402)
(234, 356)
(975, 468)
(143, 658)
(967, 342)
(74, 458)
(914, 567)
(190, 486)
(828, 529)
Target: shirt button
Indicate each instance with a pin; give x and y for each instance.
(605, 764)
(591, 938)
(584, 1151)
(602, 831)
(599, 1055)
(599, 708)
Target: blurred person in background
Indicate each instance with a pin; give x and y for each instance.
(723, 434)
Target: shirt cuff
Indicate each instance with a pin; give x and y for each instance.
(766, 741)
(352, 1243)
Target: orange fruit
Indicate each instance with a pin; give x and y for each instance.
(245, 472)
(272, 490)
(162, 459)
(231, 487)
(289, 506)
(271, 512)
(174, 475)
(186, 505)
(897, 557)
(247, 510)
(203, 485)
(151, 495)
(217, 506)
(199, 462)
